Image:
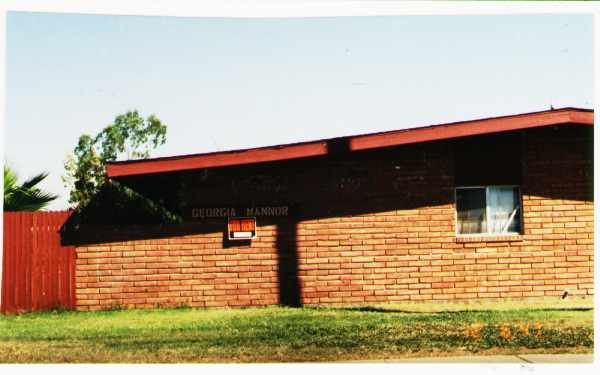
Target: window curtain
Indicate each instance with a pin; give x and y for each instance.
(503, 209)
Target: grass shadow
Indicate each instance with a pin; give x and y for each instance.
(462, 311)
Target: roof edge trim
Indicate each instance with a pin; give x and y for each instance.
(564, 116)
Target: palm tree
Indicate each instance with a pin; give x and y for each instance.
(24, 197)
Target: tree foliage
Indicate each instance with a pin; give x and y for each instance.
(130, 136)
(26, 196)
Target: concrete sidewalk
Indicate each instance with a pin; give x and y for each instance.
(519, 358)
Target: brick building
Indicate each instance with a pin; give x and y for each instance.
(485, 209)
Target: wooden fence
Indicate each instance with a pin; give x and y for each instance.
(37, 272)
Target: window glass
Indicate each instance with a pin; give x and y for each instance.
(488, 210)
(471, 210)
(504, 215)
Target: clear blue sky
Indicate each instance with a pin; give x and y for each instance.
(223, 84)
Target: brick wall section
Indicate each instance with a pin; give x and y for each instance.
(407, 254)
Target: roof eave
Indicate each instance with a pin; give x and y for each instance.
(354, 143)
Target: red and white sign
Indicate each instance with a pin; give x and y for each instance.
(241, 228)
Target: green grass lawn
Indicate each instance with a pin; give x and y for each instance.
(277, 334)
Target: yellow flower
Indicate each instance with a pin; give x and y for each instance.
(524, 329)
(538, 329)
(473, 330)
(505, 331)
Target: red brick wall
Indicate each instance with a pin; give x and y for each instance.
(406, 253)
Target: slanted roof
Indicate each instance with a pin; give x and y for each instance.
(563, 116)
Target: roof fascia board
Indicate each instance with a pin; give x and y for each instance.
(457, 130)
(355, 143)
(218, 159)
(582, 118)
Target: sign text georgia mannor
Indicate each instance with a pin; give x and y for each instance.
(201, 213)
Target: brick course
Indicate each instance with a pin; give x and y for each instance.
(399, 254)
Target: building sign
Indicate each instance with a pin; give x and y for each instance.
(241, 228)
(261, 211)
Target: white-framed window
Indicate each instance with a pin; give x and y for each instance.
(488, 210)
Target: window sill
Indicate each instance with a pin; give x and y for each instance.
(490, 238)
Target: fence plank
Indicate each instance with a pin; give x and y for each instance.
(46, 260)
(57, 256)
(53, 255)
(68, 268)
(72, 278)
(38, 273)
(7, 264)
(36, 269)
(61, 260)
(13, 285)
(4, 267)
(26, 238)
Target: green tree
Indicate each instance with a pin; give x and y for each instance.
(26, 196)
(130, 136)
